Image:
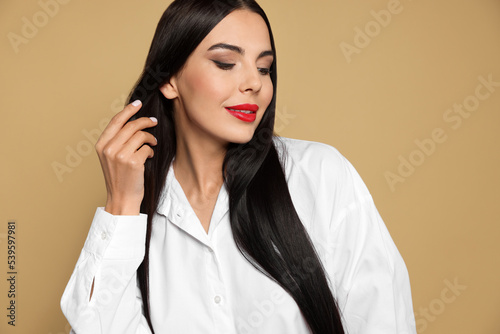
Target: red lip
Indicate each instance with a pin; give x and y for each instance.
(246, 117)
(246, 106)
(250, 117)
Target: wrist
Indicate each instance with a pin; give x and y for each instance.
(123, 208)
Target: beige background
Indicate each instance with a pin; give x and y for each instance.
(73, 73)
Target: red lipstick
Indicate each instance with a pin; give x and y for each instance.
(245, 112)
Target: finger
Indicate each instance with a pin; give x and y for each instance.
(131, 128)
(119, 120)
(117, 142)
(144, 153)
(139, 139)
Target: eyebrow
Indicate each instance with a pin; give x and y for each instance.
(239, 50)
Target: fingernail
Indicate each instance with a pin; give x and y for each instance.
(153, 119)
(136, 103)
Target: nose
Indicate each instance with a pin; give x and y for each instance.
(251, 79)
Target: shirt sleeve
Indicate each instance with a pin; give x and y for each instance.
(112, 252)
(367, 274)
(374, 281)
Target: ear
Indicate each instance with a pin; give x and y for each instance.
(169, 89)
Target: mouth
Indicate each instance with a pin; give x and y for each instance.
(245, 112)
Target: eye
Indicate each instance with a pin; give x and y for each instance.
(223, 66)
(264, 70)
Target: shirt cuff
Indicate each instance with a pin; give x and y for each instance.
(117, 237)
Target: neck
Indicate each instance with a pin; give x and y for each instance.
(198, 165)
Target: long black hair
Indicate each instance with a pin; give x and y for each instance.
(264, 222)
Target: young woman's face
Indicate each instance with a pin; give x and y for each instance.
(224, 87)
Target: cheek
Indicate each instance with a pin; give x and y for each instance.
(267, 93)
(205, 88)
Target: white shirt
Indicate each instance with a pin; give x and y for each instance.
(200, 282)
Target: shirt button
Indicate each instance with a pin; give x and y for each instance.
(217, 299)
(103, 236)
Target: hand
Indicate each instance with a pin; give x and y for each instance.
(123, 149)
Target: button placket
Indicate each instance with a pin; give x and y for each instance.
(213, 275)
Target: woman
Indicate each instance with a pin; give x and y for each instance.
(214, 225)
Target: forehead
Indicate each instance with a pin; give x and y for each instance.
(243, 28)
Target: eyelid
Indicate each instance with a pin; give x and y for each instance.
(228, 66)
(222, 65)
(218, 62)
(266, 69)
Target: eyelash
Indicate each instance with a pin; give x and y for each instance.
(227, 67)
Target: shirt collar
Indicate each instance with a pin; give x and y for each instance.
(175, 206)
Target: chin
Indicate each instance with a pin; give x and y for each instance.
(241, 138)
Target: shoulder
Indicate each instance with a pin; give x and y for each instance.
(305, 151)
(319, 175)
(319, 163)
(313, 160)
